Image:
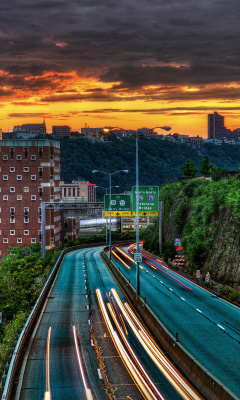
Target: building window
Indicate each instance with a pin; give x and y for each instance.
(12, 169)
(12, 152)
(51, 158)
(33, 177)
(5, 158)
(19, 177)
(40, 190)
(40, 236)
(33, 197)
(40, 171)
(74, 192)
(33, 240)
(69, 191)
(51, 176)
(18, 158)
(12, 215)
(40, 151)
(12, 233)
(26, 215)
(78, 192)
(5, 177)
(39, 214)
(51, 197)
(65, 192)
(25, 152)
(19, 240)
(12, 189)
(25, 169)
(26, 189)
(26, 233)
(19, 197)
(5, 197)
(33, 158)
(5, 240)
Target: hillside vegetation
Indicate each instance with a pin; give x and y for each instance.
(206, 216)
(160, 162)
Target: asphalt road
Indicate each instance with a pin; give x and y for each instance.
(73, 301)
(207, 326)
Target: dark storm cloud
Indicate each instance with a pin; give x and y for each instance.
(133, 43)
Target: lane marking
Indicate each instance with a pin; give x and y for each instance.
(221, 327)
(182, 298)
(198, 310)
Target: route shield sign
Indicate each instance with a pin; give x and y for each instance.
(148, 198)
(120, 205)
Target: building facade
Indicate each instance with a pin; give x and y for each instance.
(31, 128)
(215, 125)
(61, 130)
(80, 189)
(29, 175)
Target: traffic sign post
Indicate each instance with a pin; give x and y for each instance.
(120, 205)
(137, 257)
(148, 201)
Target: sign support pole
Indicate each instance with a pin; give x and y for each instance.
(161, 212)
(43, 230)
(137, 222)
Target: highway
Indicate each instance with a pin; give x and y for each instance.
(76, 352)
(207, 326)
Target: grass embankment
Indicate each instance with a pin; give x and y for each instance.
(22, 275)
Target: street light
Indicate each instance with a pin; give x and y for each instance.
(110, 193)
(106, 217)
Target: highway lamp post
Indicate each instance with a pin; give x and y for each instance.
(106, 217)
(110, 193)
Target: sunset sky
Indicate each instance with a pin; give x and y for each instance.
(125, 63)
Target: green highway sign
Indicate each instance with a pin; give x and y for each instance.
(148, 198)
(120, 205)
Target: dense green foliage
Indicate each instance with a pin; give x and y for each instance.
(206, 166)
(189, 170)
(194, 206)
(160, 162)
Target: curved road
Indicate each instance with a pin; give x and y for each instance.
(73, 302)
(207, 326)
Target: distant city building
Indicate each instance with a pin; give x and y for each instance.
(30, 128)
(215, 125)
(80, 189)
(61, 130)
(0, 134)
(30, 174)
(92, 133)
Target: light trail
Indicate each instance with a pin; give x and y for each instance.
(133, 355)
(125, 255)
(47, 394)
(133, 371)
(87, 391)
(173, 376)
(113, 252)
(169, 275)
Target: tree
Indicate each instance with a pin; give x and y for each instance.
(189, 170)
(217, 173)
(206, 166)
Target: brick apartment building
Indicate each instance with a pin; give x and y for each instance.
(29, 174)
(61, 130)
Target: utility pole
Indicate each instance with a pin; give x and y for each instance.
(161, 213)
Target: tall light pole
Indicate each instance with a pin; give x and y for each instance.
(106, 217)
(110, 193)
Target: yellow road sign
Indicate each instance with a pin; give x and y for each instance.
(117, 213)
(146, 213)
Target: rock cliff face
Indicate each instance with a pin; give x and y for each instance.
(223, 258)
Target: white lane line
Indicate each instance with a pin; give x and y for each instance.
(161, 282)
(198, 310)
(153, 276)
(221, 327)
(170, 289)
(99, 374)
(182, 298)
